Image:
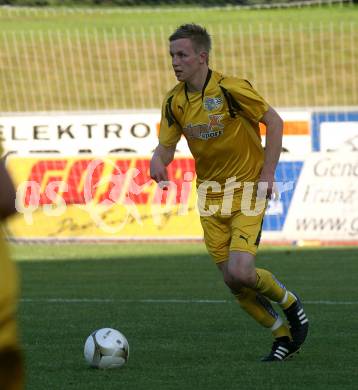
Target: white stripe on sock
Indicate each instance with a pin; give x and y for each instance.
(277, 324)
(284, 299)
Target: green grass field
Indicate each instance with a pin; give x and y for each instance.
(63, 59)
(184, 329)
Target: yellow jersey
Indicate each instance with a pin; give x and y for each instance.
(221, 126)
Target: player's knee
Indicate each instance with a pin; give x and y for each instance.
(231, 282)
(241, 276)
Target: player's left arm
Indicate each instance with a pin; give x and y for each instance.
(273, 146)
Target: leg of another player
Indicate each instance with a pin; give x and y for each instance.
(11, 369)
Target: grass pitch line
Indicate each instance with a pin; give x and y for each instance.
(158, 301)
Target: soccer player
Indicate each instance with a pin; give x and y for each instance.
(11, 363)
(219, 116)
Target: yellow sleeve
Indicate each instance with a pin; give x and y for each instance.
(170, 130)
(251, 103)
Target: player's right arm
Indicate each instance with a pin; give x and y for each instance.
(169, 135)
(7, 193)
(162, 157)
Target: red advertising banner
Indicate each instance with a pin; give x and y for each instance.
(102, 198)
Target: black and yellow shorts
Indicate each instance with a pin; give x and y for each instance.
(237, 229)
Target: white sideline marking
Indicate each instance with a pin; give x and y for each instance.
(200, 301)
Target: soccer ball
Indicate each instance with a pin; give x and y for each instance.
(106, 348)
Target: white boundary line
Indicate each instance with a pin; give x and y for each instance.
(159, 301)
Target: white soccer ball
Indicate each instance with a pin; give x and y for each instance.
(106, 348)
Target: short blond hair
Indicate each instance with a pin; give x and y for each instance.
(198, 35)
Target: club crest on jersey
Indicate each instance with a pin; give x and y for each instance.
(204, 131)
(211, 104)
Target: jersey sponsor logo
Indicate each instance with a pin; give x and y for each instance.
(204, 131)
(211, 104)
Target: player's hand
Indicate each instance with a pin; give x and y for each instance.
(158, 171)
(162, 157)
(266, 188)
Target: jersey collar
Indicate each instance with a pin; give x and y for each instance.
(208, 76)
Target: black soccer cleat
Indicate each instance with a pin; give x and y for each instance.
(282, 348)
(298, 322)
